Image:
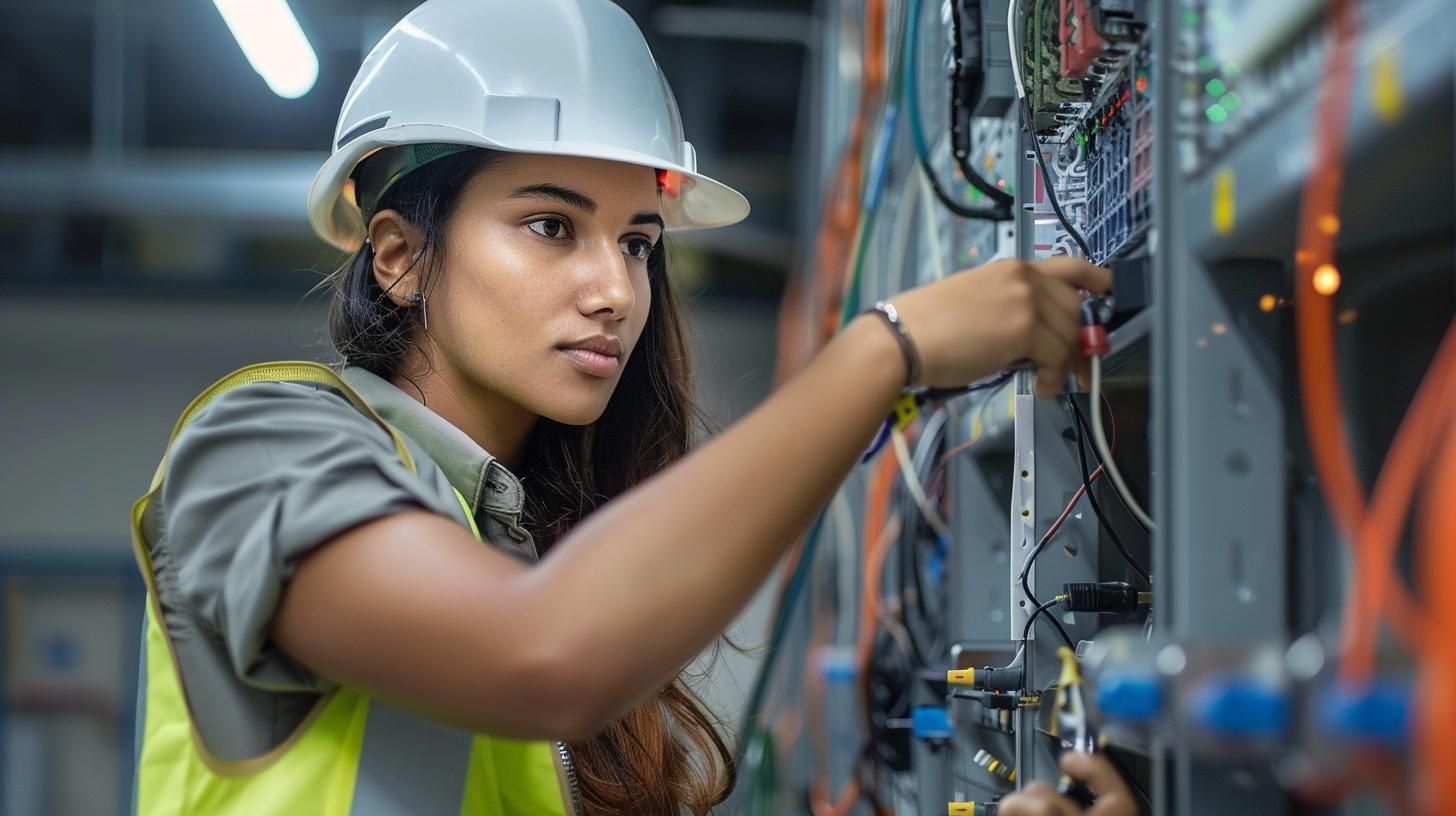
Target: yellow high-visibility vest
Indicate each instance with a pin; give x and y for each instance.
(351, 756)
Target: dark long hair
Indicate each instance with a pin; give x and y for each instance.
(666, 753)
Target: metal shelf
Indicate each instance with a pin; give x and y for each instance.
(1130, 344)
(1395, 193)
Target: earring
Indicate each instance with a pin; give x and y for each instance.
(418, 299)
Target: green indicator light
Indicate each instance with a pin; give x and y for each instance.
(1190, 18)
(1230, 101)
(1206, 64)
(1216, 88)
(975, 195)
(1216, 113)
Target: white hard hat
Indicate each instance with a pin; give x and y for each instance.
(560, 77)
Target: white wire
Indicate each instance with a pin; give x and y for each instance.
(912, 483)
(932, 225)
(1015, 49)
(1100, 440)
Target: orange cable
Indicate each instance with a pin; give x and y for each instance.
(1373, 589)
(809, 314)
(1318, 226)
(1436, 723)
(1385, 518)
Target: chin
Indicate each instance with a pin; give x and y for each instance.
(583, 411)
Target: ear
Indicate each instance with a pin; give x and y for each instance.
(397, 247)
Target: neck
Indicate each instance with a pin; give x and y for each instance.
(495, 423)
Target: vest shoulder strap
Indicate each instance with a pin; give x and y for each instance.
(286, 371)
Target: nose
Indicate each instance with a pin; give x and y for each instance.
(607, 289)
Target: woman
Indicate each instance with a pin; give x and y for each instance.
(327, 634)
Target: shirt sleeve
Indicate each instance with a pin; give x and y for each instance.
(259, 479)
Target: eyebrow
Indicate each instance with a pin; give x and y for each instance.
(565, 195)
(648, 218)
(579, 200)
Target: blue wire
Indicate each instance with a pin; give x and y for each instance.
(880, 439)
(881, 164)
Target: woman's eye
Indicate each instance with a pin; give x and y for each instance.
(638, 248)
(548, 227)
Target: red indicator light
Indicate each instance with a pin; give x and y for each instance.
(669, 183)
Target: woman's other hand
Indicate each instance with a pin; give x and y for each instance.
(1095, 771)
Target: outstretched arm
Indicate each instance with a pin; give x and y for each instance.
(411, 608)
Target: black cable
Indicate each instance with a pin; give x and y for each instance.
(1046, 176)
(1078, 429)
(1049, 185)
(966, 80)
(1025, 578)
(933, 394)
(910, 68)
(1026, 587)
(1081, 432)
(1026, 632)
(1121, 499)
(994, 214)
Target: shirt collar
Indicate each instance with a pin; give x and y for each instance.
(485, 482)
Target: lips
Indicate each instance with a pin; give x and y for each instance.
(598, 356)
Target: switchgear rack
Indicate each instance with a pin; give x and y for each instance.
(1273, 186)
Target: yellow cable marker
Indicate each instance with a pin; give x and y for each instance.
(905, 411)
(1223, 201)
(1386, 95)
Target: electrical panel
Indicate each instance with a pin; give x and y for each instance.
(1212, 569)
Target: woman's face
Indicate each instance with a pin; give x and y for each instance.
(544, 290)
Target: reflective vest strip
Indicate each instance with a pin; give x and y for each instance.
(410, 765)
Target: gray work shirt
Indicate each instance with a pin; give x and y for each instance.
(262, 476)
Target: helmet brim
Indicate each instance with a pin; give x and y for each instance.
(689, 200)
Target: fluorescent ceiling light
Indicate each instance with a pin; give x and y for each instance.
(275, 46)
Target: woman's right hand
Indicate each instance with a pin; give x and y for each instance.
(1114, 798)
(982, 320)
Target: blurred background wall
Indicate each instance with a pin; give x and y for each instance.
(152, 194)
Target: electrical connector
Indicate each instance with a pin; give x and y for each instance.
(1002, 701)
(987, 678)
(1105, 598)
(994, 766)
(1095, 312)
